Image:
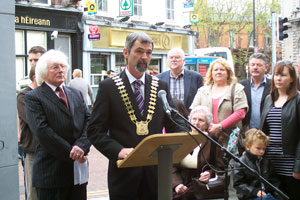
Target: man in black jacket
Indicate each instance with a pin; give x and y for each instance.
(257, 87)
(118, 109)
(27, 142)
(58, 116)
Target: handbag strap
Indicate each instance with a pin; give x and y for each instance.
(232, 95)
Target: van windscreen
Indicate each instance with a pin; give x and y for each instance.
(218, 54)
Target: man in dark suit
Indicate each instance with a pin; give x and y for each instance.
(183, 83)
(257, 87)
(298, 69)
(27, 142)
(57, 115)
(127, 106)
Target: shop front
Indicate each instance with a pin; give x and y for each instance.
(106, 53)
(51, 28)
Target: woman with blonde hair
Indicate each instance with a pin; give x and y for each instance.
(224, 97)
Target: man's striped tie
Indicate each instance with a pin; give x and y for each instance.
(138, 95)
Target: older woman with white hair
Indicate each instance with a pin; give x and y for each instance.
(208, 153)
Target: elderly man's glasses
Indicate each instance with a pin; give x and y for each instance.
(174, 57)
(58, 67)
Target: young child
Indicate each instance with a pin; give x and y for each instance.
(247, 185)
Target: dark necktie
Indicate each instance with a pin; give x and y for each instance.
(138, 95)
(62, 96)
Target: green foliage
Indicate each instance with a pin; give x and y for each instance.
(219, 17)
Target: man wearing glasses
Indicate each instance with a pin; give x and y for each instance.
(183, 83)
(58, 117)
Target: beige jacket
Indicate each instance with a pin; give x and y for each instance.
(225, 107)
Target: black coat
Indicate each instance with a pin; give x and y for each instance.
(192, 82)
(111, 129)
(56, 130)
(290, 127)
(247, 88)
(246, 183)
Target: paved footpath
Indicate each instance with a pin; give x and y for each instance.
(97, 187)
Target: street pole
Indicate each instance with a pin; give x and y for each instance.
(254, 38)
(9, 183)
(273, 40)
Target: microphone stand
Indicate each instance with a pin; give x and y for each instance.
(227, 156)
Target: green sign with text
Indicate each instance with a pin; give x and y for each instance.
(125, 8)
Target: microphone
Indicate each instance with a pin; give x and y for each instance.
(163, 96)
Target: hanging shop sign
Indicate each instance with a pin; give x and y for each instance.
(125, 8)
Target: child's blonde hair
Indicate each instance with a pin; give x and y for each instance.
(253, 135)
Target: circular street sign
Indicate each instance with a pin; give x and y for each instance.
(93, 28)
(92, 6)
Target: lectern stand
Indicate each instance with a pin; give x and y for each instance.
(162, 150)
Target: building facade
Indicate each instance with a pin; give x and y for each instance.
(49, 24)
(291, 45)
(163, 21)
(76, 23)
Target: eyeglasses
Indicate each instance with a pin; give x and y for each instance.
(174, 57)
(58, 67)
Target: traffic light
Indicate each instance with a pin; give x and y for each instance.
(281, 28)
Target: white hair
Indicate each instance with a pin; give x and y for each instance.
(203, 109)
(176, 49)
(52, 55)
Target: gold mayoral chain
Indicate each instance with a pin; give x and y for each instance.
(141, 126)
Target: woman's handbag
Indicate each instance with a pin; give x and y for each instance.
(198, 190)
(233, 141)
(213, 189)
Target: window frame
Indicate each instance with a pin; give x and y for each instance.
(104, 5)
(138, 8)
(170, 15)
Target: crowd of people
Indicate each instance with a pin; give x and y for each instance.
(127, 109)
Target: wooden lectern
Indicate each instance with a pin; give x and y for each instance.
(162, 150)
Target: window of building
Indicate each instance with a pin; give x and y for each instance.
(154, 67)
(99, 66)
(137, 8)
(170, 9)
(102, 5)
(24, 40)
(232, 41)
(250, 39)
(42, 1)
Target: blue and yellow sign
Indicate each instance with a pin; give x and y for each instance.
(194, 18)
(92, 8)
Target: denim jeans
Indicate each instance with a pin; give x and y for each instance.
(267, 197)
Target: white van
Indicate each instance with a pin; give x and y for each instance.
(223, 52)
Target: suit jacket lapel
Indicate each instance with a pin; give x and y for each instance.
(70, 99)
(148, 80)
(248, 92)
(131, 96)
(51, 96)
(265, 92)
(187, 84)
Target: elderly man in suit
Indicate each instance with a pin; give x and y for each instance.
(183, 83)
(57, 115)
(298, 69)
(27, 142)
(128, 107)
(257, 87)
